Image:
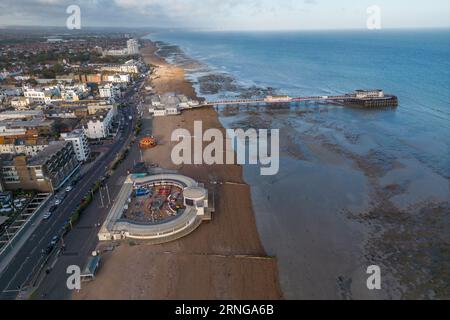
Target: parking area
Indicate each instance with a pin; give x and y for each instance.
(11, 228)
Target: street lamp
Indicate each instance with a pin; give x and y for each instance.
(9, 239)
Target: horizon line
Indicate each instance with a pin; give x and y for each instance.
(225, 30)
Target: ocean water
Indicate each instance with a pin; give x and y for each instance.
(354, 185)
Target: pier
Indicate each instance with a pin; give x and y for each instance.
(361, 98)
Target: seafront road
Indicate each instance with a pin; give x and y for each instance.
(80, 242)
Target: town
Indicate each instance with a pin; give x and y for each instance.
(71, 108)
(63, 103)
(58, 101)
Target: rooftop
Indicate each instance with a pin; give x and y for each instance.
(47, 153)
(74, 134)
(23, 112)
(28, 123)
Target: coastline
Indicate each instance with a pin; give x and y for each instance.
(356, 194)
(223, 259)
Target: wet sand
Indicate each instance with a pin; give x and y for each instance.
(222, 259)
(344, 203)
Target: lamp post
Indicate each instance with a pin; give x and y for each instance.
(9, 238)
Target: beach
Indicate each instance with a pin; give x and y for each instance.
(222, 259)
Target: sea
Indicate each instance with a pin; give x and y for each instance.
(356, 188)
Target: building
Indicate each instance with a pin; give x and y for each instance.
(74, 93)
(109, 91)
(20, 103)
(61, 113)
(32, 127)
(123, 221)
(98, 126)
(164, 111)
(101, 106)
(170, 104)
(80, 109)
(29, 147)
(79, 142)
(128, 67)
(41, 95)
(363, 94)
(11, 91)
(116, 52)
(117, 78)
(133, 47)
(46, 172)
(89, 78)
(19, 115)
(156, 101)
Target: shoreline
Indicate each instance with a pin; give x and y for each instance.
(222, 259)
(370, 201)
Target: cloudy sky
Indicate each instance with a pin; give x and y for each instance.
(229, 14)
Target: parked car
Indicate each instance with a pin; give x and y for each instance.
(55, 240)
(18, 203)
(57, 202)
(47, 216)
(69, 188)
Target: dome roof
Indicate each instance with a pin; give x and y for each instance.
(194, 193)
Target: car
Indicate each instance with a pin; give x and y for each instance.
(18, 205)
(47, 216)
(57, 202)
(55, 240)
(69, 188)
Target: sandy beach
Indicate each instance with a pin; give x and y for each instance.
(222, 259)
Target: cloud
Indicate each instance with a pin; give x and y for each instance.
(223, 14)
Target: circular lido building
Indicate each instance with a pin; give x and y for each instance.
(159, 208)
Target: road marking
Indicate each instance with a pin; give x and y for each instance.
(15, 274)
(10, 291)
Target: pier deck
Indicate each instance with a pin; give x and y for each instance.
(362, 98)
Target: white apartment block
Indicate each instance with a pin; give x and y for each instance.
(109, 91)
(133, 47)
(124, 68)
(79, 142)
(119, 78)
(99, 125)
(41, 95)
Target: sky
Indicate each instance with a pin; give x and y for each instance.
(229, 14)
